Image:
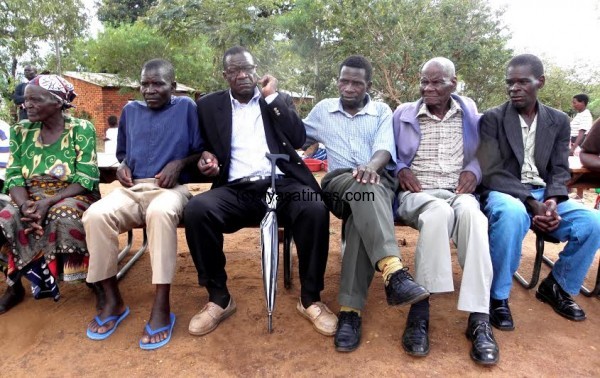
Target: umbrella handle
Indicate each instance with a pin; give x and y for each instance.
(273, 159)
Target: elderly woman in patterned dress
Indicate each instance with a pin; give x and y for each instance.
(52, 178)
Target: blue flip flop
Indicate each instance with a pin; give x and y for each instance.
(114, 318)
(152, 332)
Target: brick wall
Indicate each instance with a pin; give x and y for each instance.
(99, 102)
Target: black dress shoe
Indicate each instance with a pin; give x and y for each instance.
(12, 297)
(485, 350)
(415, 339)
(550, 292)
(500, 316)
(347, 335)
(401, 289)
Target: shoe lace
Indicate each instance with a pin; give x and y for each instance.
(401, 274)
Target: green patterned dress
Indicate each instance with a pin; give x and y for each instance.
(45, 170)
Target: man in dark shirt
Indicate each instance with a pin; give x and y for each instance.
(19, 95)
(158, 138)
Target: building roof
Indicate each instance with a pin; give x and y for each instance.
(106, 80)
(297, 95)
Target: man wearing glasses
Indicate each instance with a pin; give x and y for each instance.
(240, 125)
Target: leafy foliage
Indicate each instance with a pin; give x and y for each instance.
(116, 12)
(124, 49)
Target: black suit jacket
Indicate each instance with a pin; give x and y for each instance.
(501, 151)
(284, 131)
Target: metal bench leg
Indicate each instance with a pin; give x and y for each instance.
(537, 264)
(287, 257)
(135, 257)
(583, 290)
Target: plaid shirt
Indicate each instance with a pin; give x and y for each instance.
(439, 158)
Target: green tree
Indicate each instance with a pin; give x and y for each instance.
(22, 27)
(123, 50)
(116, 12)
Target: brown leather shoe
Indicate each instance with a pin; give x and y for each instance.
(209, 318)
(324, 321)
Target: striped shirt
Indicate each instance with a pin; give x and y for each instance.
(529, 171)
(351, 140)
(4, 147)
(439, 158)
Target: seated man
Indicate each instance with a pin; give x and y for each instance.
(240, 126)
(436, 140)
(523, 153)
(590, 149)
(357, 133)
(152, 195)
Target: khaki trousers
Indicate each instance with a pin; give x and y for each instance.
(144, 204)
(441, 215)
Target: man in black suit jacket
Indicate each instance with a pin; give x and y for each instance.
(240, 125)
(19, 95)
(523, 154)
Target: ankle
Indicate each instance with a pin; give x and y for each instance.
(478, 316)
(419, 310)
(389, 265)
(349, 309)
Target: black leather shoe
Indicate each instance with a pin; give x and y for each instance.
(500, 316)
(415, 339)
(485, 350)
(347, 335)
(550, 292)
(401, 289)
(12, 297)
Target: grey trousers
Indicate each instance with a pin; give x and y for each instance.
(441, 215)
(369, 229)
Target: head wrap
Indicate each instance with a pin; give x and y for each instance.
(58, 87)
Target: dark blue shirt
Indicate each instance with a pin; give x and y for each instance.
(149, 139)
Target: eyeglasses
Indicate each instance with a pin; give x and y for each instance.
(234, 71)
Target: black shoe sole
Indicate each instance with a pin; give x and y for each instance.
(417, 298)
(346, 349)
(484, 363)
(415, 354)
(500, 327)
(542, 298)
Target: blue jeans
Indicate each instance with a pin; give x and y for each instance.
(508, 225)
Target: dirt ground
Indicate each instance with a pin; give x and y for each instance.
(43, 338)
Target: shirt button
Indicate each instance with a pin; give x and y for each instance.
(285, 144)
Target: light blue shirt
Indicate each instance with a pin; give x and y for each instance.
(351, 141)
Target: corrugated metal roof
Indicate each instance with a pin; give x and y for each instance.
(107, 80)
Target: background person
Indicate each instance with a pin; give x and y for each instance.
(19, 95)
(111, 135)
(582, 122)
(52, 177)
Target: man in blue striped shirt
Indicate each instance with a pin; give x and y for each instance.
(358, 188)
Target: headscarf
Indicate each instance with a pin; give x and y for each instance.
(58, 87)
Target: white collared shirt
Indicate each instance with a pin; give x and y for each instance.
(248, 139)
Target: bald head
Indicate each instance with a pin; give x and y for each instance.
(438, 81)
(445, 64)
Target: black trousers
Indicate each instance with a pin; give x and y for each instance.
(229, 208)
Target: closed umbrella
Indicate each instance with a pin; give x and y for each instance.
(269, 242)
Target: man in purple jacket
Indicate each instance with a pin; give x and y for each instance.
(436, 140)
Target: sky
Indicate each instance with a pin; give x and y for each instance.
(562, 31)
